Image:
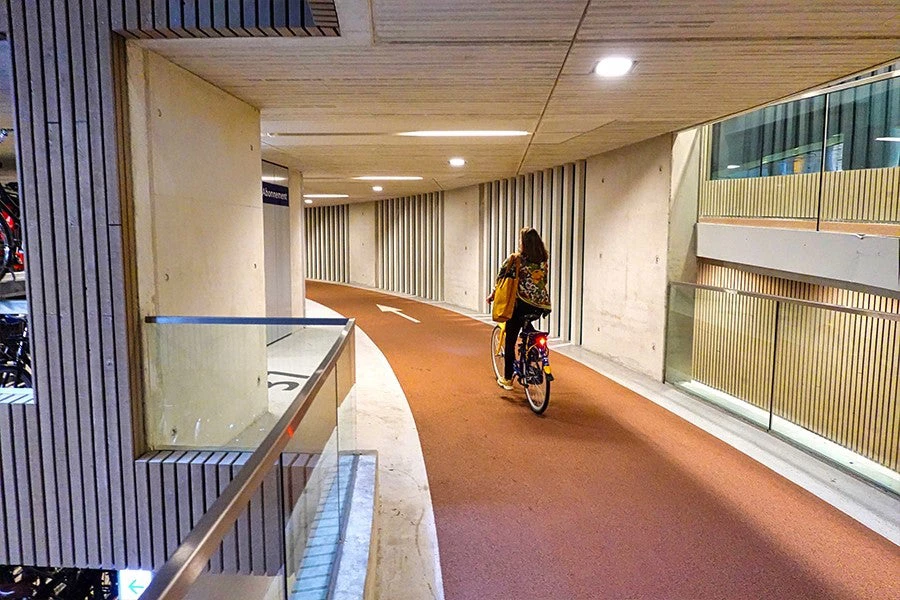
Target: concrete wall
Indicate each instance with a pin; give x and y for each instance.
(682, 261)
(626, 238)
(462, 248)
(199, 244)
(870, 261)
(363, 244)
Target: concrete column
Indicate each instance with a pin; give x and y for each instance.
(298, 244)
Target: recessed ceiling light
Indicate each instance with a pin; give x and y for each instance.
(613, 66)
(273, 178)
(464, 133)
(326, 195)
(308, 201)
(377, 188)
(733, 167)
(887, 139)
(387, 178)
(457, 162)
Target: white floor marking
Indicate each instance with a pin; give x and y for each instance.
(397, 312)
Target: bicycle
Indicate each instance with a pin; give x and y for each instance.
(531, 366)
(15, 355)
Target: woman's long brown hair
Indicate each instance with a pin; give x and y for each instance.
(532, 246)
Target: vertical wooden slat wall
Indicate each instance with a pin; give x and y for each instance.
(327, 243)
(411, 245)
(862, 196)
(74, 448)
(73, 492)
(552, 201)
(836, 374)
(776, 197)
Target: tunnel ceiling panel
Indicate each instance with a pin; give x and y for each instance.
(338, 103)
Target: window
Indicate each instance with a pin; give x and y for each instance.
(864, 127)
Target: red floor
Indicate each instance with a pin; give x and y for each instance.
(605, 496)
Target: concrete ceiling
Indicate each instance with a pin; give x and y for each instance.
(337, 103)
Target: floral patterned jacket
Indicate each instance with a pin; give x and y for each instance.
(533, 280)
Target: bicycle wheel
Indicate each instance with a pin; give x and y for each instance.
(498, 360)
(537, 388)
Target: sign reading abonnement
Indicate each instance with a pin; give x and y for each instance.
(274, 194)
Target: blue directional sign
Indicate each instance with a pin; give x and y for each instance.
(132, 583)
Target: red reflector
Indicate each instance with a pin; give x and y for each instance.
(542, 341)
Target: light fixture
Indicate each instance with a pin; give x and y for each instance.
(457, 162)
(614, 66)
(273, 178)
(387, 178)
(377, 188)
(733, 167)
(888, 139)
(308, 201)
(326, 195)
(465, 133)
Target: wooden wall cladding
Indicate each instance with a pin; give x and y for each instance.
(551, 201)
(225, 18)
(864, 195)
(177, 487)
(834, 373)
(777, 197)
(411, 245)
(328, 243)
(838, 375)
(745, 281)
(730, 330)
(68, 462)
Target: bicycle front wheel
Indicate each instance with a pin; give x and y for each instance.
(538, 388)
(498, 356)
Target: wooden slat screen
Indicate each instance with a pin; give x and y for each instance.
(734, 330)
(220, 18)
(746, 281)
(328, 243)
(411, 245)
(180, 486)
(838, 375)
(68, 465)
(551, 201)
(777, 197)
(863, 195)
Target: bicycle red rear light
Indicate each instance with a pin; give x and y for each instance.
(542, 341)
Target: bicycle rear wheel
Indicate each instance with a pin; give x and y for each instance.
(498, 360)
(537, 388)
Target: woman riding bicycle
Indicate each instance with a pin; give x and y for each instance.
(532, 295)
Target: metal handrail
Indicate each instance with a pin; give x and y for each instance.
(174, 579)
(836, 307)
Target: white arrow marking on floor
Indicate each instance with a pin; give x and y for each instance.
(398, 312)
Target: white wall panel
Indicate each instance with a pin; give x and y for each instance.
(328, 247)
(410, 239)
(552, 202)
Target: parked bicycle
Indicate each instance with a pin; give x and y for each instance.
(531, 366)
(12, 254)
(15, 355)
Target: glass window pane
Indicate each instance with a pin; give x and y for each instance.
(864, 127)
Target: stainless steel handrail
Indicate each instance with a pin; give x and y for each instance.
(836, 307)
(174, 579)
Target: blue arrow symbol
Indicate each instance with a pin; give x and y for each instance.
(135, 589)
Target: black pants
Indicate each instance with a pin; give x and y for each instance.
(524, 312)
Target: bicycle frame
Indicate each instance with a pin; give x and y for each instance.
(538, 344)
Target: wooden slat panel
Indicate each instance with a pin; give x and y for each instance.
(327, 239)
(836, 375)
(729, 330)
(779, 197)
(862, 196)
